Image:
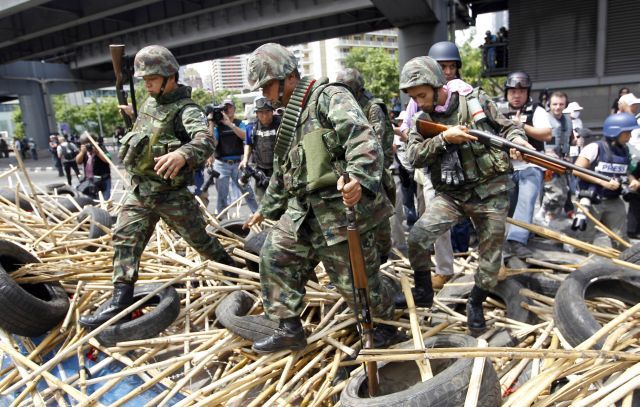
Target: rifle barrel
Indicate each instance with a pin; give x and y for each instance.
(505, 145)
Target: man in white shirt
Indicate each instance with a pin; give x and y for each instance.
(534, 120)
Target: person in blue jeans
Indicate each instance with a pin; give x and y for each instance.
(527, 177)
(229, 134)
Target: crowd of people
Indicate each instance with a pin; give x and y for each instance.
(448, 188)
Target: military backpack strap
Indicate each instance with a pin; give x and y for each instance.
(291, 117)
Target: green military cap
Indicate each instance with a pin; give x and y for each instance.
(422, 71)
(270, 61)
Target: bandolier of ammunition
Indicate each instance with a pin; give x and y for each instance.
(291, 117)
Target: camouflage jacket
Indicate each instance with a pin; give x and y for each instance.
(353, 148)
(157, 131)
(376, 112)
(489, 166)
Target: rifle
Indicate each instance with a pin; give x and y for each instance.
(122, 70)
(360, 295)
(429, 129)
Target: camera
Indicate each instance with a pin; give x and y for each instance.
(587, 197)
(89, 147)
(216, 111)
(248, 172)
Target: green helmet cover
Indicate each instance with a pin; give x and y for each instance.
(155, 60)
(422, 71)
(268, 62)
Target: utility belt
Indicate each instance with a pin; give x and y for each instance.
(230, 162)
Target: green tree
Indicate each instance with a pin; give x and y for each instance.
(378, 68)
(202, 97)
(85, 117)
(18, 124)
(471, 71)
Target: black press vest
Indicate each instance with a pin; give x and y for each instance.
(228, 143)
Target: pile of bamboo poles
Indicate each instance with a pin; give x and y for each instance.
(198, 362)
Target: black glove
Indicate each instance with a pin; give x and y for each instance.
(451, 170)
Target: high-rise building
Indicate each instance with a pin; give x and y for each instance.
(229, 73)
(326, 57)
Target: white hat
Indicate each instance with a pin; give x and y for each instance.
(573, 106)
(629, 99)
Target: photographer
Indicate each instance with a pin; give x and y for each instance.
(229, 134)
(259, 144)
(609, 156)
(95, 167)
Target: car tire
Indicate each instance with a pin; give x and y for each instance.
(231, 313)
(27, 309)
(600, 278)
(400, 383)
(149, 324)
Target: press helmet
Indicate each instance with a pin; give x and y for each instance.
(517, 79)
(352, 78)
(445, 51)
(421, 71)
(155, 60)
(617, 123)
(268, 62)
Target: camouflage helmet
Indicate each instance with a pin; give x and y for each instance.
(352, 78)
(268, 62)
(155, 60)
(422, 71)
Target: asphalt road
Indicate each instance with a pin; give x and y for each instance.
(43, 173)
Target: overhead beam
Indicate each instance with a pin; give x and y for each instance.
(49, 27)
(10, 7)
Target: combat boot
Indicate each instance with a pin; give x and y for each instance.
(289, 335)
(122, 297)
(422, 293)
(475, 313)
(386, 335)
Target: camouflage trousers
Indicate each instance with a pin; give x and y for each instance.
(287, 261)
(383, 237)
(136, 223)
(488, 217)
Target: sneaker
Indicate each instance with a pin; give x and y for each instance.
(439, 280)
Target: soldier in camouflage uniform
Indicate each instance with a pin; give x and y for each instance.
(325, 133)
(376, 112)
(470, 179)
(168, 141)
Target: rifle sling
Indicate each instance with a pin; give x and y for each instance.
(291, 117)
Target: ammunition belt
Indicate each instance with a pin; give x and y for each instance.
(291, 117)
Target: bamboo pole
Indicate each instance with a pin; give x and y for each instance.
(423, 365)
(601, 225)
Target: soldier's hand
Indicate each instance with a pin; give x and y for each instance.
(255, 219)
(351, 192)
(515, 154)
(457, 135)
(168, 165)
(128, 109)
(612, 185)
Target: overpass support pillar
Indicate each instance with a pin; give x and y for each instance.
(37, 113)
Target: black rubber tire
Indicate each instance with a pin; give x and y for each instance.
(27, 309)
(508, 291)
(400, 382)
(71, 207)
(253, 244)
(600, 278)
(61, 189)
(10, 195)
(148, 325)
(631, 254)
(542, 284)
(98, 216)
(234, 226)
(231, 313)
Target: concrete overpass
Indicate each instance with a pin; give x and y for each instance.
(60, 46)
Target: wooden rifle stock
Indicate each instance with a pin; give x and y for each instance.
(117, 59)
(429, 129)
(360, 294)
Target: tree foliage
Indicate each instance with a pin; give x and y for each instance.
(18, 124)
(85, 117)
(379, 70)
